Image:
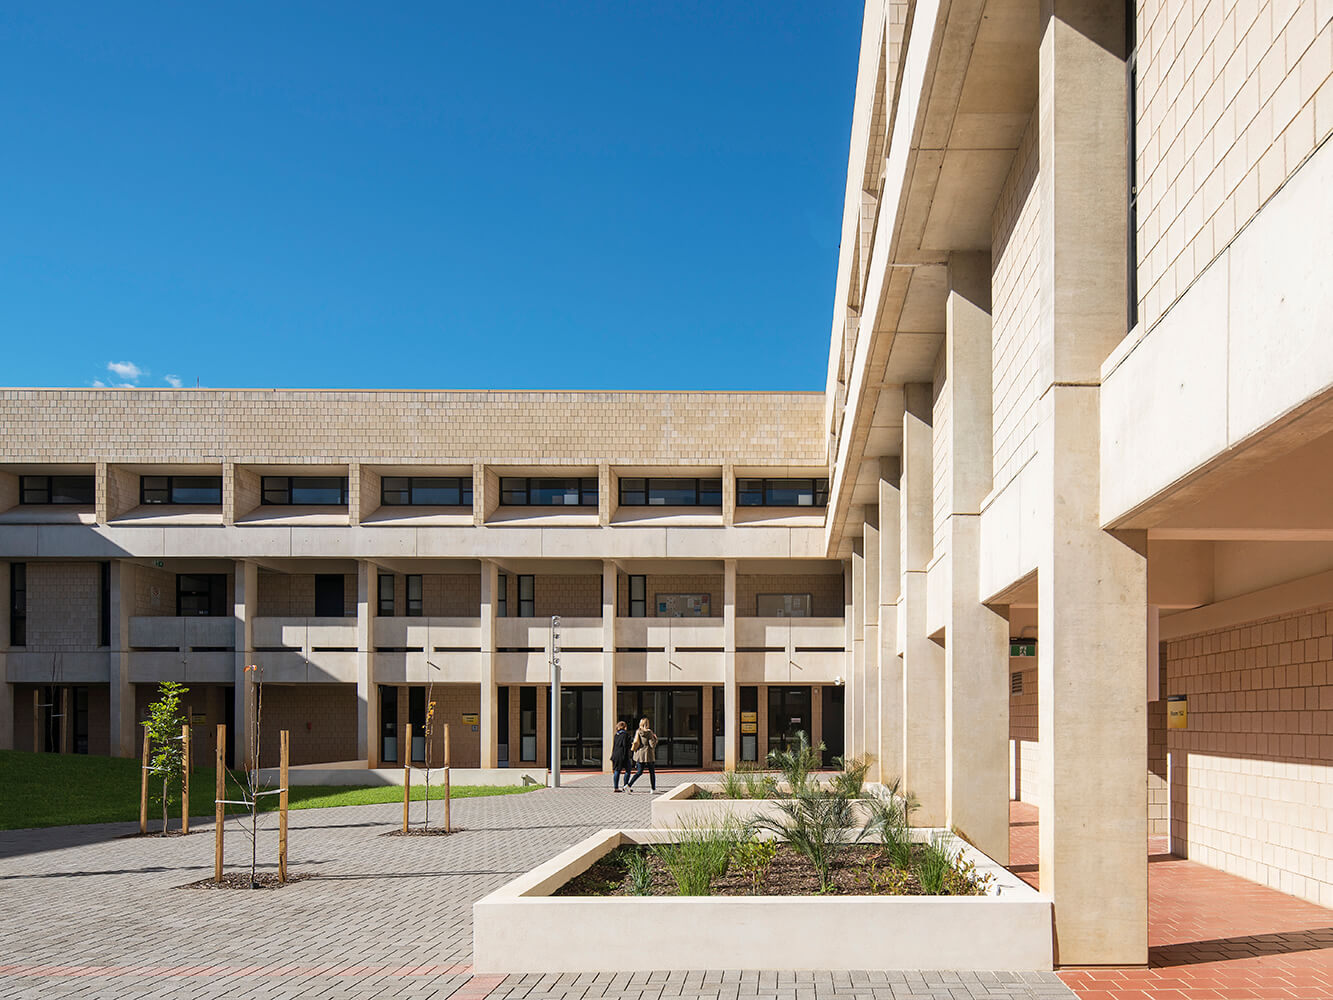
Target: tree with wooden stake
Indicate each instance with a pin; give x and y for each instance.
(219, 802)
(430, 737)
(407, 779)
(164, 730)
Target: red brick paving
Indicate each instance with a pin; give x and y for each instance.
(1211, 936)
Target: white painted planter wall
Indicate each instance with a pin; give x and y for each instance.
(522, 928)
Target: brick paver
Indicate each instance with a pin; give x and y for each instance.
(84, 913)
(1211, 936)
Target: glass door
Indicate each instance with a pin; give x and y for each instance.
(675, 715)
(388, 723)
(788, 715)
(581, 727)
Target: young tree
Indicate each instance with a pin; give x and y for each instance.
(430, 733)
(165, 719)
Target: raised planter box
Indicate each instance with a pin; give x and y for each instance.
(521, 927)
(679, 807)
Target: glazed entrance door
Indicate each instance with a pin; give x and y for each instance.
(788, 714)
(581, 727)
(675, 715)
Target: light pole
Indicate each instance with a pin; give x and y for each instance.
(555, 701)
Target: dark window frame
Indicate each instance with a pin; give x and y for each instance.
(416, 605)
(170, 490)
(527, 702)
(325, 578)
(381, 600)
(502, 595)
(513, 495)
(214, 594)
(767, 488)
(644, 492)
(463, 484)
(104, 604)
(638, 606)
(31, 486)
(18, 604)
(528, 603)
(265, 490)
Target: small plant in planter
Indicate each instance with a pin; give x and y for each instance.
(698, 855)
(819, 825)
(754, 857)
(796, 763)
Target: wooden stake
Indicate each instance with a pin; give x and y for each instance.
(36, 720)
(63, 745)
(407, 773)
(447, 827)
(282, 806)
(143, 786)
(185, 778)
(219, 810)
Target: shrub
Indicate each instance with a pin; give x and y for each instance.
(818, 825)
(759, 785)
(851, 777)
(933, 863)
(891, 818)
(733, 787)
(753, 857)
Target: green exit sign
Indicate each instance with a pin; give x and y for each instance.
(1022, 647)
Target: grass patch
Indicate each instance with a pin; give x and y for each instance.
(65, 789)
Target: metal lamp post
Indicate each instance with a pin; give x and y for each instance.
(555, 701)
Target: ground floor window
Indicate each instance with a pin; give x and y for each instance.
(388, 724)
(788, 716)
(675, 715)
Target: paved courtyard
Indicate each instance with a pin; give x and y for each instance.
(86, 913)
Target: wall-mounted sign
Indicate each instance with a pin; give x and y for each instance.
(197, 718)
(1177, 712)
(1022, 647)
(471, 718)
(749, 727)
(684, 605)
(749, 716)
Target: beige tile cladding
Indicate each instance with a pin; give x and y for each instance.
(825, 590)
(154, 592)
(99, 715)
(1232, 97)
(452, 702)
(306, 426)
(64, 602)
(573, 595)
(292, 595)
(660, 583)
(1252, 775)
(1024, 746)
(320, 717)
(1015, 229)
(443, 595)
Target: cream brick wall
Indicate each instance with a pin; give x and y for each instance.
(320, 717)
(825, 590)
(1015, 247)
(456, 595)
(64, 601)
(307, 427)
(292, 595)
(154, 592)
(572, 595)
(9, 490)
(1232, 97)
(664, 583)
(1252, 776)
(122, 491)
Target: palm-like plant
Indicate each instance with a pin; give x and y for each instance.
(796, 762)
(819, 825)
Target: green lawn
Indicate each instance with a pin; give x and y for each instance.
(57, 790)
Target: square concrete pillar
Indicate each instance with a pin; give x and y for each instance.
(730, 692)
(245, 607)
(367, 692)
(923, 659)
(870, 629)
(121, 701)
(609, 580)
(889, 687)
(856, 682)
(976, 654)
(490, 585)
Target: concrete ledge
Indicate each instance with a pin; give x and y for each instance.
(362, 776)
(679, 807)
(522, 928)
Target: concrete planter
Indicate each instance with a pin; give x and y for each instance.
(679, 807)
(521, 927)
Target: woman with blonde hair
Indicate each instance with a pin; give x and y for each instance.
(644, 749)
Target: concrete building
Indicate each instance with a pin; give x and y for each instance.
(1070, 479)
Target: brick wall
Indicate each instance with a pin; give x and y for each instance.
(296, 426)
(99, 716)
(825, 590)
(208, 700)
(574, 596)
(64, 602)
(456, 595)
(543, 737)
(1232, 97)
(320, 717)
(1252, 775)
(292, 595)
(154, 592)
(452, 701)
(1015, 229)
(661, 583)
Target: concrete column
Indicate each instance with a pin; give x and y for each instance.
(245, 608)
(870, 626)
(1092, 593)
(489, 722)
(118, 660)
(367, 692)
(856, 683)
(730, 692)
(889, 690)
(923, 659)
(609, 573)
(849, 669)
(6, 689)
(976, 655)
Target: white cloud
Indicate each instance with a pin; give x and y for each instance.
(126, 385)
(98, 384)
(125, 369)
(173, 380)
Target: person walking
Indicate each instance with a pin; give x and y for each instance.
(621, 761)
(644, 749)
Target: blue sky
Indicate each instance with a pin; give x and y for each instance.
(432, 195)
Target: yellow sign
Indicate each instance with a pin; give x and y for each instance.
(471, 718)
(1177, 712)
(749, 727)
(750, 717)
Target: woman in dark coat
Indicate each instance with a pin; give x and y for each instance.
(620, 755)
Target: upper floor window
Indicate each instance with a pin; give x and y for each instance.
(782, 492)
(423, 491)
(671, 492)
(521, 492)
(18, 604)
(300, 491)
(57, 489)
(201, 594)
(180, 490)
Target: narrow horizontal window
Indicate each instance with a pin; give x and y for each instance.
(670, 492)
(426, 491)
(782, 492)
(181, 490)
(302, 491)
(79, 490)
(548, 492)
